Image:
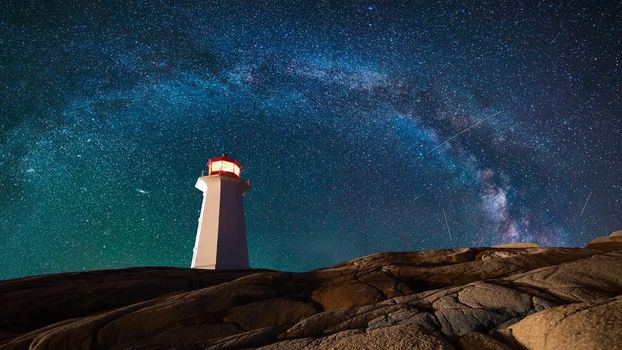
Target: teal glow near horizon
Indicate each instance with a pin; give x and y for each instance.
(357, 123)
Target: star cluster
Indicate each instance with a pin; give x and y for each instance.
(364, 126)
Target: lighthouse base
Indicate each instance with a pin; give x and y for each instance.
(221, 267)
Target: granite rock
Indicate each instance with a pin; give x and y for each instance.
(508, 297)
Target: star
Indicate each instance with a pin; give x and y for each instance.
(362, 127)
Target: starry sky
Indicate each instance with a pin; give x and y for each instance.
(364, 126)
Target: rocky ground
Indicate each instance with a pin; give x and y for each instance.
(510, 297)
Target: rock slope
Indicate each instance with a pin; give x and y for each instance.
(510, 297)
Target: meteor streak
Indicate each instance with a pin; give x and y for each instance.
(463, 131)
(447, 224)
(585, 205)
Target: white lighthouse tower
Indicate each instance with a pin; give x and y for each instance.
(221, 235)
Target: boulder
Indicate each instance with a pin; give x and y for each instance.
(481, 341)
(406, 337)
(611, 242)
(617, 233)
(587, 326)
(347, 295)
(269, 313)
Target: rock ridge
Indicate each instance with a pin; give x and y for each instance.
(519, 296)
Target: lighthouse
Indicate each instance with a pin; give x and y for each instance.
(221, 236)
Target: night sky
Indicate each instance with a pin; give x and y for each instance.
(362, 125)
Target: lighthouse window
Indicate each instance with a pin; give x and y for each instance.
(216, 166)
(229, 167)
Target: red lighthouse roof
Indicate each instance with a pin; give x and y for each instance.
(224, 165)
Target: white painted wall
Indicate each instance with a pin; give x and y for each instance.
(221, 235)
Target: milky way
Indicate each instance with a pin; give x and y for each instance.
(363, 127)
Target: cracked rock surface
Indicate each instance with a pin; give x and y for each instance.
(508, 297)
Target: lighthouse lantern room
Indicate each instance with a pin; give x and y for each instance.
(224, 166)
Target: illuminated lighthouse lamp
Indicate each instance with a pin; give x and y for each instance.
(223, 165)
